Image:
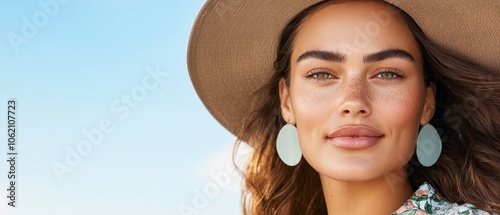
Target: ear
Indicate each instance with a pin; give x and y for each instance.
(286, 103)
(430, 104)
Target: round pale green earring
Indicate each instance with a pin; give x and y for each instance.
(287, 145)
(429, 145)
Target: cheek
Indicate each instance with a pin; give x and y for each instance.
(400, 107)
(311, 105)
(398, 113)
(314, 110)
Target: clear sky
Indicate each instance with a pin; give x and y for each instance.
(107, 119)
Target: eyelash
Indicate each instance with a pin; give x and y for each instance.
(396, 74)
(317, 72)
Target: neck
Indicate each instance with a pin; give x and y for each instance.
(379, 196)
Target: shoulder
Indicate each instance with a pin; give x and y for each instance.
(426, 200)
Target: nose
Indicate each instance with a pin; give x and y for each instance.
(354, 98)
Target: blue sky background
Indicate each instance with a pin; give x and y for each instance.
(163, 153)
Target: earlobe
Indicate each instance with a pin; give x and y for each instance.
(430, 104)
(285, 102)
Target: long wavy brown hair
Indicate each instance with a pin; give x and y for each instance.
(467, 117)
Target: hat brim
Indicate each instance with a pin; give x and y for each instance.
(233, 44)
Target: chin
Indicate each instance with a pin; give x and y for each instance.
(352, 170)
(351, 175)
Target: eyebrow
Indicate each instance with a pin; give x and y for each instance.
(337, 57)
(389, 53)
(322, 55)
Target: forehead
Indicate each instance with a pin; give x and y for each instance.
(354, 27)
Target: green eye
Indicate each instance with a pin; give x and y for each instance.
(322, 75)
(389, 74)
(386, 75)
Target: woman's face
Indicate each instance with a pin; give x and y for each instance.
(357, 93)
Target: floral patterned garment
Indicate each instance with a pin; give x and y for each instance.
(426, 201)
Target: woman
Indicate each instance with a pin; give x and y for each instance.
(361, 112)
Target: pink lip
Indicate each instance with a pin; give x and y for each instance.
(355, 137)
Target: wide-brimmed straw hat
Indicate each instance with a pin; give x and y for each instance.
(233, 44)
